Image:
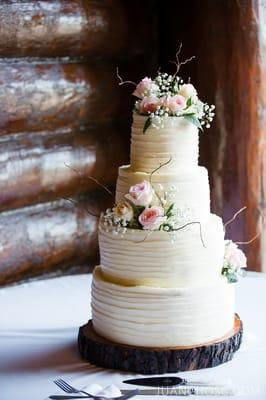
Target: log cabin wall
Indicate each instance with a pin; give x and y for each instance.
(61, 107)
(63, 118)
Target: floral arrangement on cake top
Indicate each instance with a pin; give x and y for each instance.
(168, 96)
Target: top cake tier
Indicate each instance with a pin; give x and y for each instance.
(177, 139)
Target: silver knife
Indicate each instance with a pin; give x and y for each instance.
(177, 391)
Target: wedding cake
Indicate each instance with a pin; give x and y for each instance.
(166, 274)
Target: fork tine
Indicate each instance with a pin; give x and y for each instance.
(65, 386)
(61, 384)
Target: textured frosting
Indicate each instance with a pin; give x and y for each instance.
(152, 259)
(182, 187)
(150, 290)
(178, 139)
(150, 316)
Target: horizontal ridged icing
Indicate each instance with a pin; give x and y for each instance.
(178, 139)
(181, 186)
(153, 259)
(148, 316)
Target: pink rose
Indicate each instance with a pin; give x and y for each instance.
(233, 256)
(175, 103)
(140, 194)
(151, 218)
(149, 104)
(144, 88)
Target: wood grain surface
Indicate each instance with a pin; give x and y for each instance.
(45, 166)
(235, 148)
(76, 28)
(49, 237)
(228, 40)
(37, 97)
(63, 118)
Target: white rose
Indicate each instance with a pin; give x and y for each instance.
(187, 90)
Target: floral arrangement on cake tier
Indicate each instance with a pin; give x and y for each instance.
(146, 209)
(168, 96)
(234, 262)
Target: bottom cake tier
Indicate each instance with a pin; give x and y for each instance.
(161, 317)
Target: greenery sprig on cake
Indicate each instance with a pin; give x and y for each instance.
(168, 96)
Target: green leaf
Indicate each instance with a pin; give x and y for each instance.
(169, 210)
(193, 120)
(147, 124)
(189, 102)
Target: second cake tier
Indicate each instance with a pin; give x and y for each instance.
(189, 190)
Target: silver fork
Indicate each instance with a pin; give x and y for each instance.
(70, 389)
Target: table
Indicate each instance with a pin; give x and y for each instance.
(38, 330)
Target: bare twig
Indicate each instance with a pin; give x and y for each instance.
(92, 179)
(153, 172)
(76, 203)
(145, 238)
(258, 233)
(121, 82)
(234, 217)
(191, 223)
(177, 61)
(251, 240)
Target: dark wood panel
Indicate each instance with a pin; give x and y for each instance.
(51, 28)
(47, 237)
(49, 96)
(231, 72)
(39, 167)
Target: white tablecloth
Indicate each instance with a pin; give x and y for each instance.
(38, 340)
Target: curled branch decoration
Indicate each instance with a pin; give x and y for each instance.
(234, 217)
(76, 203)
(177, 61)
(191, 223)
(151, 175)
(92, 179)
(121, 82)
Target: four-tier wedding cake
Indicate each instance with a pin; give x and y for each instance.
(166, 274)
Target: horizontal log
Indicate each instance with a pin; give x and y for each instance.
(37, 97)
(45, 238)
(41, 167)
(73, 28)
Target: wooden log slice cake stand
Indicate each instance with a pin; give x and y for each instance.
(148, 360)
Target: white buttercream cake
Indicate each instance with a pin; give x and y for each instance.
(162, 285)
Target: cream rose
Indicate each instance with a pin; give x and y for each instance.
(151, 218)
(124, 211)
(140, 194)
(187, 90)
(145, 88)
